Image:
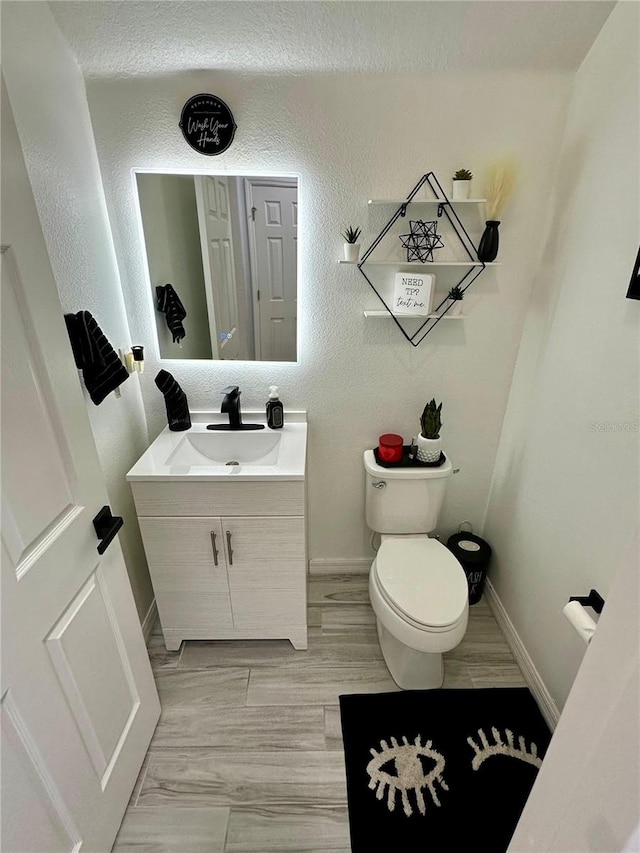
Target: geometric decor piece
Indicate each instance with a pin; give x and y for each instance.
(422, 240)
(420, 244)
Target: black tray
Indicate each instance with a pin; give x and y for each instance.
(407, 462)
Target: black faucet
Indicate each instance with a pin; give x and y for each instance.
(231, 406)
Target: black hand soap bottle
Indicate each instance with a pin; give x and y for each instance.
(275, 409)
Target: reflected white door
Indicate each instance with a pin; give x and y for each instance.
(78, 700)
(216, 239)
(274, 264)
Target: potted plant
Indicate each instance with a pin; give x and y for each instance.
(351, 245)
(429, 444)
(456, 295)
(462, 184)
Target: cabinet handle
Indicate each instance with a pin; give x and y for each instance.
(229, 547)
(213, 547)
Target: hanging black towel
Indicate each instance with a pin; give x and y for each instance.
(169, 303)
(101, 368)
(175, 401)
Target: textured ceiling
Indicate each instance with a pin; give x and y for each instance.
(145, 37)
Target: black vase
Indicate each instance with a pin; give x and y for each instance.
(488, 248)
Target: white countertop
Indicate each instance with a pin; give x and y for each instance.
(155, 463)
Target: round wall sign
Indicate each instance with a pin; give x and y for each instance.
(207, 124)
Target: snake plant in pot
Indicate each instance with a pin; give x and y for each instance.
(461, 184)
(351, 245)
(429, 443)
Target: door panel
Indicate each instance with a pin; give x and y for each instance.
(89, 657)
(36, 478)
(29, 790)
(212, 199)
(268, 575)
(191, 591)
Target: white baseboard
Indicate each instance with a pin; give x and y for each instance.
(149, 621)
(537, 686)
(321, 566)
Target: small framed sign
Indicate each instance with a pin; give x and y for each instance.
(412, 294)
(207, 124)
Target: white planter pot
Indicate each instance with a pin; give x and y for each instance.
(456, 308)
(461, 190)
(351, 252)
(429, 449)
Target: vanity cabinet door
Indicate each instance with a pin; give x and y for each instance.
(267, 570)
(191, 590)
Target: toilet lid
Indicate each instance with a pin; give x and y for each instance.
(422, 579)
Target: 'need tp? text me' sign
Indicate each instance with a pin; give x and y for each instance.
(412, 294)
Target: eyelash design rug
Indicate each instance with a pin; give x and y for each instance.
(440, 770)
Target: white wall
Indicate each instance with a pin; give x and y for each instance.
(48, 99)
(564, 501)
(353, 137)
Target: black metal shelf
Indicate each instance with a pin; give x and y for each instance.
(446, 207)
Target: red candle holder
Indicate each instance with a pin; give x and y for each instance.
(390, 447)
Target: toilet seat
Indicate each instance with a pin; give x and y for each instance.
(422, 582)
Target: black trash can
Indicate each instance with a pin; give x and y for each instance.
(473, 553)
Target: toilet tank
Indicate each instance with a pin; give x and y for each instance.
(404, 500)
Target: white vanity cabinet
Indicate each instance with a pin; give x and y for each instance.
(227, 559)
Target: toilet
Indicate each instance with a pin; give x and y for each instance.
(418, 589)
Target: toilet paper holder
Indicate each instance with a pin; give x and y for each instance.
(594, 600)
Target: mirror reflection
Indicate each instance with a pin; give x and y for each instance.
(227, 246)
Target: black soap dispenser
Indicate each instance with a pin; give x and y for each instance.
(275, 409)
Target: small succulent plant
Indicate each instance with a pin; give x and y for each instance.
(462, 175)
(456, 293)
(351, 235)
(430, 421)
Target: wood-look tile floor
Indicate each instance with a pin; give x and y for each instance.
(247, 755)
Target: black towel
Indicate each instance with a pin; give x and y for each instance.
(101, 368)
(169, 303)
(175, 401)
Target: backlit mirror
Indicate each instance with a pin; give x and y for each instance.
(227, 245)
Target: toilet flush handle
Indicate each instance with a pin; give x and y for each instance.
(381, 484)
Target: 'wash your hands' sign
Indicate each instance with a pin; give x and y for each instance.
(412, 294)
(207, 124)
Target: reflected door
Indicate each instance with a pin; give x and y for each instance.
(274, 264)
(214, 221)
(78, 700)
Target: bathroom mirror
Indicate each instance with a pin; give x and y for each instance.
(227, 244)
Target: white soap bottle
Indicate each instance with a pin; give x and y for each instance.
(275, 409)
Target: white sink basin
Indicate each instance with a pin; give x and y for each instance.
(202, 454)
(227, 448)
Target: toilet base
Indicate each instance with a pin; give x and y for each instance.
(409, 668)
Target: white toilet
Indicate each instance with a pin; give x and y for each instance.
(418, 589)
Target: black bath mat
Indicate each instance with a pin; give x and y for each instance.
(440, 770)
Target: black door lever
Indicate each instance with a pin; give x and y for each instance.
(106, 527)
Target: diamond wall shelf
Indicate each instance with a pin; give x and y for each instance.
(474, 267)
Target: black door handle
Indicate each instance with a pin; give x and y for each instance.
(106, 527)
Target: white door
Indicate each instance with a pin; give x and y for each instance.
(78, 700)
(274, 266)
(216, 239)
